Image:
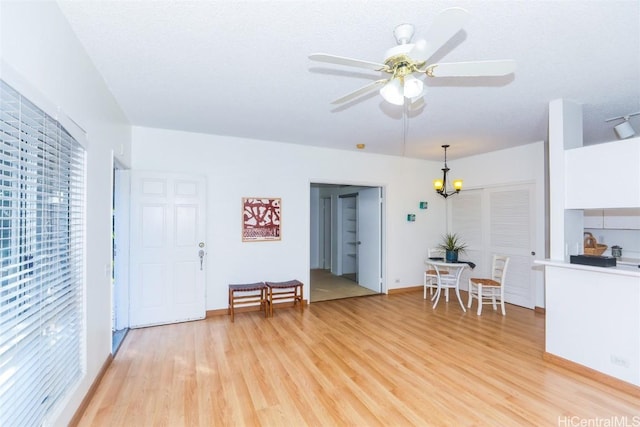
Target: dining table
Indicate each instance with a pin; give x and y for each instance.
(448, 274)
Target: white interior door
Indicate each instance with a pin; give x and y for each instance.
(326, 233)
(121, 210)
(167, 237)
(369, 238)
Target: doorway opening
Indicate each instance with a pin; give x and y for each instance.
(346, 241)
(119, 256)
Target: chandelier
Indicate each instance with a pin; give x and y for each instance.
(440, 184)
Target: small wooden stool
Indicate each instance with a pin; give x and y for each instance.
(245, 298)
(291, 289)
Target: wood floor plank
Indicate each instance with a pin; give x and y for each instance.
(377, 360)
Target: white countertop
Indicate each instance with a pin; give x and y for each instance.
(622, 269)
(628, 261)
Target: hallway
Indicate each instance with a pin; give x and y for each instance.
(326, 286)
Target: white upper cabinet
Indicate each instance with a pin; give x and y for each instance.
(628, 219)
(603, 175)
(613, 219)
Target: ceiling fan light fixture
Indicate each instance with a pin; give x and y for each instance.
(408, 57)
(393, 92)
(412, 86)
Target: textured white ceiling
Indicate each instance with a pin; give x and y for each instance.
(241, 68)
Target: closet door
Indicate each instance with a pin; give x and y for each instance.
(499, 220)
(349, 229)
(512, 233)
(467, 220)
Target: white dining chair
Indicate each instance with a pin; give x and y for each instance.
(430, 280)
(490, 290)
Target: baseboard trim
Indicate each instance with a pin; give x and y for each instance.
(75, 420)
(540, 310)
(225, 311)
(219, 312)
(590, 373)
(403, 290)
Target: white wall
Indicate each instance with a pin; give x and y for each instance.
(565, 132)
(42, 57)
(237, 168)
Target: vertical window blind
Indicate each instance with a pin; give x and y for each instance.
(42, 267)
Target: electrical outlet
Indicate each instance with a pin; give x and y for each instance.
(619, 361)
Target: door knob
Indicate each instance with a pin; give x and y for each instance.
(201, 255)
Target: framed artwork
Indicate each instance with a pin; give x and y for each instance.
(260, 219)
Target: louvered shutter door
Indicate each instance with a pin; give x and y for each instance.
(498, 220)
(511, 234)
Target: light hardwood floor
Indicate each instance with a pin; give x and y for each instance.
(380, 360)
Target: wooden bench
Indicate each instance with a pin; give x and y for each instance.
(289, 290)
(243, 294)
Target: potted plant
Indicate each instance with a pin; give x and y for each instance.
(452, 245)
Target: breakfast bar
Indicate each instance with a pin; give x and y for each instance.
(593, 317)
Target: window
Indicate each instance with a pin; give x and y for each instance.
(42, 264)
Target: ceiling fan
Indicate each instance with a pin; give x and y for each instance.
(408, 61)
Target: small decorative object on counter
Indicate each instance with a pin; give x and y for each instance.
(594, 260)
(616, 251)
(591, 245)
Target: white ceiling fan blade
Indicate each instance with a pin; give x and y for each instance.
(445, 26)
(342, 60)
(472, 69)
(356, 93)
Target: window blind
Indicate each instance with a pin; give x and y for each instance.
(42, 267)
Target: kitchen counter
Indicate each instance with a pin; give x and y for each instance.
(634, 262)
(593, 317)
(624, 267)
